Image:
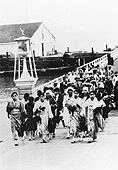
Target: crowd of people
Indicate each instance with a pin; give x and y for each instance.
(81, 102)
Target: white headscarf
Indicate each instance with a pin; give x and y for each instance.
(85, 88)
(50, 92)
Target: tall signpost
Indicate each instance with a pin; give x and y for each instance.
(25, 75)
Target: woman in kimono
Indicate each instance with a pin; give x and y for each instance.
(92, 112)
(85, 94)
(79, 118)
(69, 105)
(30, 123)
(59, 100)
(25, 100)
(43, 108)
(54, 105)
(15, 110)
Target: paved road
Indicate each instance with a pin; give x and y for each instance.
(60, 154)
(4, 121)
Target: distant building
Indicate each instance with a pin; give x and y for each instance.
(42, 40)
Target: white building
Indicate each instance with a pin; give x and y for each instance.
(42, 40)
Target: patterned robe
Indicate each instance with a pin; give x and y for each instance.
(15, 110)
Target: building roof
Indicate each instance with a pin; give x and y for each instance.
(10, 32)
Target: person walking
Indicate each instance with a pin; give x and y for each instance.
(92, 112)
(15, 110)
(31, 125)
(69, 105)
(59, 99)
(53, 104)
(43, 108)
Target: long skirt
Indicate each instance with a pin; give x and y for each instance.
(93, 128)
(30, 124)
(42, 127)
(77, 123)
(66, 117)
(16, 126)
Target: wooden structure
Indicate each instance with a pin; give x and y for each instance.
(24, 78)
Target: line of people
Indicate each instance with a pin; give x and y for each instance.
(81, 102)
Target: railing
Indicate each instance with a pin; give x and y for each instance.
(114, 53)
(102, 62)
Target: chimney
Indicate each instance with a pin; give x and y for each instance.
(92, 50)
(67, 49)
(106, 47)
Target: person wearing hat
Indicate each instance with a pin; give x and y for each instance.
(15, 110)
(70, 91)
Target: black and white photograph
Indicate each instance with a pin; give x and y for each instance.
(58, 85)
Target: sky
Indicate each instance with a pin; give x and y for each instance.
(77, 24)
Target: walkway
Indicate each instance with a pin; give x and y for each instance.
(60, 154)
